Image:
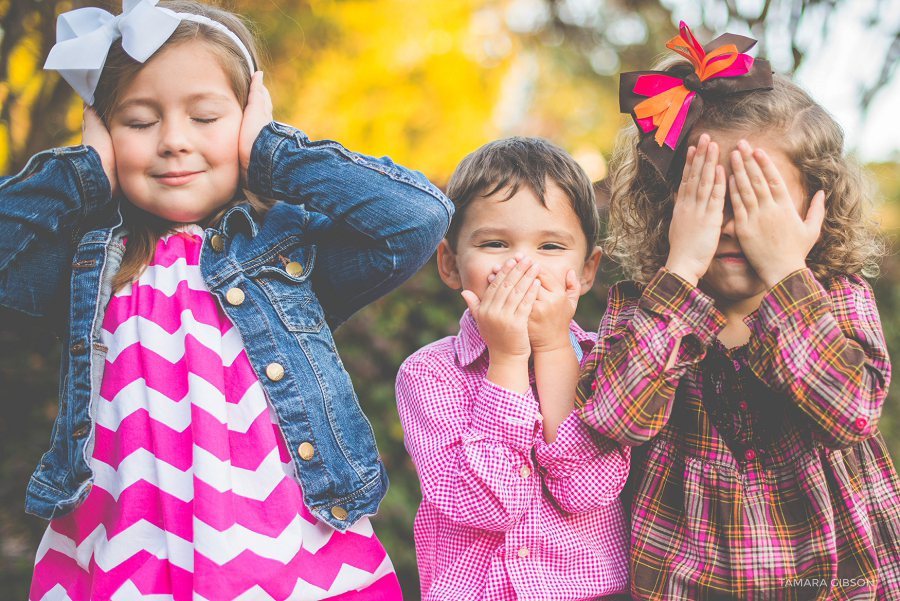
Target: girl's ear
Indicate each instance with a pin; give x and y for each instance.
(447, 265)
(589, 271)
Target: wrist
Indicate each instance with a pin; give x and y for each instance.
(683, 271)
(556, 344)
(512, 375)
(773, 277)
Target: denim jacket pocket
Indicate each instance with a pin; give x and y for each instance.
(285, 281)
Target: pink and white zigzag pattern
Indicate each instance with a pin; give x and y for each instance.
(194, 495)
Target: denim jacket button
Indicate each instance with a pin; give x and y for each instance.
(294, 269)
(274, 371)
(81, 432)
(306, 451)
(339, 513)
(217, 243)
(235, 296)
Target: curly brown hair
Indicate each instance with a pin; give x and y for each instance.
(641, 199)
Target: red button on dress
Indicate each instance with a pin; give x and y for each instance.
(860, 423)
(743, 405)
(749, 455)
(594, 385)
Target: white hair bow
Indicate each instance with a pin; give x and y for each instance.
(84, 36)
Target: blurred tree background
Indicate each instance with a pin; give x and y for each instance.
(425, 82)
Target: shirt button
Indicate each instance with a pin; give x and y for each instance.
(525, 471)
(737, 366)
(749, 455)
(539, 417)
(294, 269)
(860, 423)
(339, 513)
(234, 296)
(743, 405)
(594, 385)
(274, 372)
(523, 552)
(306, 451)
(217, 243)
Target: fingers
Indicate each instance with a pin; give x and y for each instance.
(259, 98)
(692, 183)
(472, 302)
(685, 175)
(815, 216)
(511, 284)
(740, 180)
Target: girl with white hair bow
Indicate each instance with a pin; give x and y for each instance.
(194, 256)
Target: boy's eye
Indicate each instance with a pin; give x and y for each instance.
(552, 246)
(491, 244)
(211, 120)
(141, 125)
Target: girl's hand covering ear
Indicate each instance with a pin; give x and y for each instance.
(698, 212)
(257, 115)
(95, 135)
(772, 234)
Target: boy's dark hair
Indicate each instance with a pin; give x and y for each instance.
(519, 161)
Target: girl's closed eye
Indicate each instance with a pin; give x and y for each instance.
(140, 124)
(552, 246)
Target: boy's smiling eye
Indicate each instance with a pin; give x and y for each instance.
(491, 244)
(209, 120)
(552, 246)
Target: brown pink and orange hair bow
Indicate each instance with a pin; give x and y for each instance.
(670, 105)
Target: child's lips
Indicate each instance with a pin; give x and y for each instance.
(177, 178)
(732, 257)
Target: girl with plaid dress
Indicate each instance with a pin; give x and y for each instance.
(745, 360)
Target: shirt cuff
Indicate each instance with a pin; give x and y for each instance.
(574, 446)
(691, 311)
(506, 416)
(260, 169)
(795, 293)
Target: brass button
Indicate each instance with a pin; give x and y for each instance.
(81, 432)
(234, 296)
(294, 269)
(523, 552)
(524, 472)
(217, 243)
(274, 371)
(339, 513)
(306, 451)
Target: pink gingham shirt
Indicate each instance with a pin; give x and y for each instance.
(505, 515)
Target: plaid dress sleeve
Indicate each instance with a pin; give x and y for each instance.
(823, 347)
(469, 451)
(582, 471)
(625, 392)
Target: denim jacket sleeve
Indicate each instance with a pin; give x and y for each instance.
(386, 220)
(44, 210)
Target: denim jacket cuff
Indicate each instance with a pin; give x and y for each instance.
(260, 168)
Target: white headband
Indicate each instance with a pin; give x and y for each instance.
(84, 36)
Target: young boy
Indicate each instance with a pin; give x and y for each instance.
(519, 500)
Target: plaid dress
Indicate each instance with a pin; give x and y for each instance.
(760, 473)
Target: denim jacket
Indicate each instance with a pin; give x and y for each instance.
(357, 226)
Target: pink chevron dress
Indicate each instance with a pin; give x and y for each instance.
(194, 495)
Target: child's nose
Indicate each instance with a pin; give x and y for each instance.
(173, 139)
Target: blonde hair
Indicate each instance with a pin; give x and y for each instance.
(146, 229)
(641, 200)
